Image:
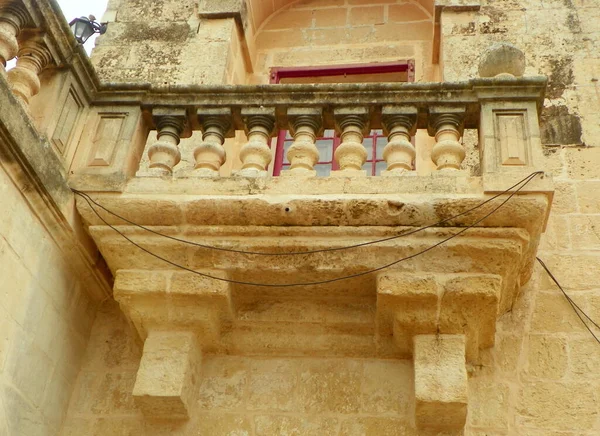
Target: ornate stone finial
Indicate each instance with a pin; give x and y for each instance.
(502, 60)
(32, 58)
(400, 124)
(256, 153)
(210, 154)
(164, 154)
(446, 124)
(305, 124)
(12, 19)
(353, 124)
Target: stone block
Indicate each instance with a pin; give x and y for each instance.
(489, 403)
(376, 426)
(273, 384)
(584, 231)
(588, 195)
(330, 386)
(224, 383)
(386, 386)
(267, 425)
(555, 406)
(546, 357)
(167, 380)
(440, 381)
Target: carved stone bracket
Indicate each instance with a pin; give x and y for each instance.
(178, 316)
(353, 125)
(400, 124)
(210, 154)
(164, 154)
(12, 19)
(32, 58)
(447, 125)
(442, 321)
(305, 125)
(256, 153)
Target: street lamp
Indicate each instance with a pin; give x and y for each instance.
(83, 28)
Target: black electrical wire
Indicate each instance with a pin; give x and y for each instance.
(259, 253)
(574, 305)
(321, 282)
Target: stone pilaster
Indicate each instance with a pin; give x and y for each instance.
(210, 154)
(305, 125)
(446, 124)
(400, 124)
(353, 125)
(164, 154)
(256, 153)
(32, 58)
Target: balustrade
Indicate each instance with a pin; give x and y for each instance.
(507, 123)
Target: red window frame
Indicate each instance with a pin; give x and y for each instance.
(279, 73)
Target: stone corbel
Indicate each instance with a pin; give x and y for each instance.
(178, 316)
(442, 321)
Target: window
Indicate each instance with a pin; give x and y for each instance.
(402, 71)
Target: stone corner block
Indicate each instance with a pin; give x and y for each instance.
(440, 382)
(168, 377)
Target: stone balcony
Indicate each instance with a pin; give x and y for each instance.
(439, 308)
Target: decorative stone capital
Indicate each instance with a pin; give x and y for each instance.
(399, 124)
(256, 154)
(12, 19)
(210, 155)
(164, 154)
(353, 125)
(32, 58)
(305, 124)
(446, 123)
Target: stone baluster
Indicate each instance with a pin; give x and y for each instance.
(256, 153)
(164, 154)
(305, 124)
(32, 58)
(400, 124)
(353, 124)
(12, 19)
(447, 125)
(210, 154)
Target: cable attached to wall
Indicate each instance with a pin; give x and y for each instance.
(321, 282)
(578, 311)
(295, 253)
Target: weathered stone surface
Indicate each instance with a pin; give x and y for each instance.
(440, 381)
(167, 380)
(500, 59)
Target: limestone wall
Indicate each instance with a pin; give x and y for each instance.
(45, 320)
